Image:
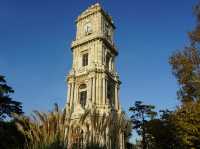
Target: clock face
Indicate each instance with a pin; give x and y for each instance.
(88, 28)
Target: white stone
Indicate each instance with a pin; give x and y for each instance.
(100, 73)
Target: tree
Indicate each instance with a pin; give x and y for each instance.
(187, 122)
(186, 64)
(141, 114)
(186, 68)
(7, 105)
(10, 136)
(163, 132)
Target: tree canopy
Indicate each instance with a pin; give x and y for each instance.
(141, 113)
(7, 105)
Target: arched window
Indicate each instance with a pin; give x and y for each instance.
(85, 59)
(83, 94)
(107, 61)
(111, 63)
(110, 91)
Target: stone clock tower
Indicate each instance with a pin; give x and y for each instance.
(93, 81)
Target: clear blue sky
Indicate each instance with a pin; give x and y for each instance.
(35, 56)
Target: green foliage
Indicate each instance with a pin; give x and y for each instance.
(186, 67)
(179, 129)
(163, 132)
(10, 137)
(7, 105)
(141, 114)
(187, 122)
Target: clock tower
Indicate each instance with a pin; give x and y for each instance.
(93, 81)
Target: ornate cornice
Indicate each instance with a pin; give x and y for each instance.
(93, 10)
(80, 42)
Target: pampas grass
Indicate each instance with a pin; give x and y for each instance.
(52, 130)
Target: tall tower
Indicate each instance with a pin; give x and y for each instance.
(93, 80)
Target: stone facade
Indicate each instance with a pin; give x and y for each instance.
(93, 80)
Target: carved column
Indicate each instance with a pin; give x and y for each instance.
(118, 104)
(106, 83)
(69, 93)
(75, 94)
(116, 96)
(91, 82)
(104, 90)
(94, 90)
(100, 89)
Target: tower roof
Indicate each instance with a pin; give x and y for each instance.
(94, 9)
